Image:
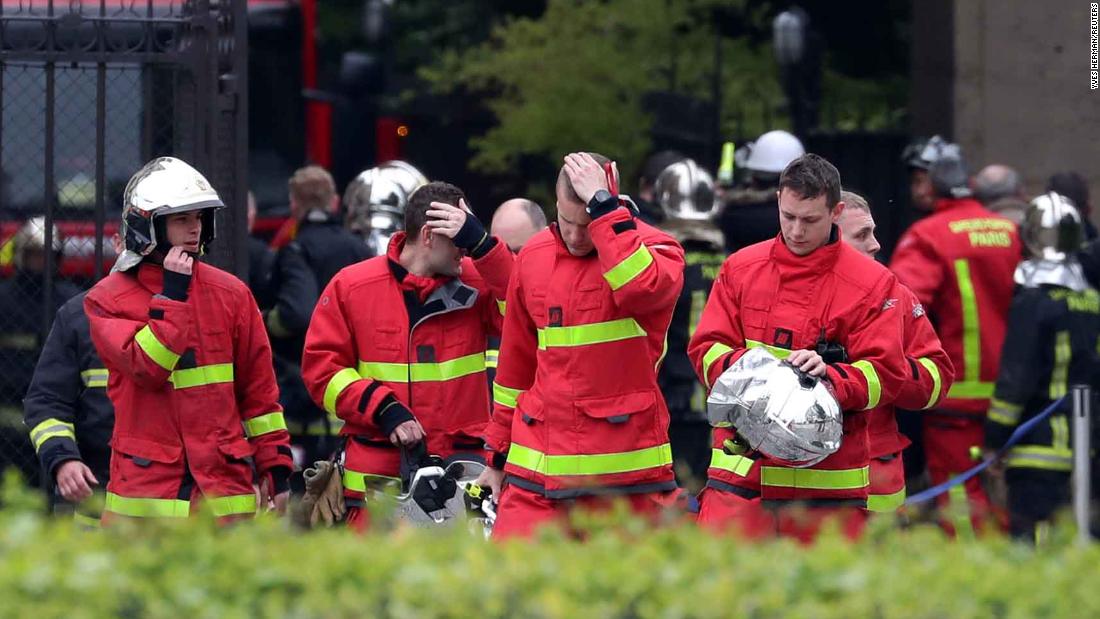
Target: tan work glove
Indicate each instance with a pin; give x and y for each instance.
(324, 497)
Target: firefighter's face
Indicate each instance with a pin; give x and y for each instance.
(573, 223)
(443, 257)
(184, 230)
(920, 189)
(806, 222)
(857, 228)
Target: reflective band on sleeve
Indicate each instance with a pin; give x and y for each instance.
(937, 382)
(159, 353)
(501, 306)
(595, 333)
(336, 386)
(1059, 375)
(713, 353)
(357, 482)
(233, 505)
(738, 465)
(815, 479)
(423, 372)
(886, 502)
(1004, 413)
(632, 266)
(874, 387)
(202, 375)
(95, 377)
(972, 338)
(51, 428)
(263, 424)
(593, 464)
(780, 353)
(505, 396)
(147, 508)
(491, 358)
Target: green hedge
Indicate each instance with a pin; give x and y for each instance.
(48, 568)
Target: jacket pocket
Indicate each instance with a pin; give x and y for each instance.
(529, 408)
(620, 423)
(141, 449)
(235, 448)
(589, 297)
(387, 337)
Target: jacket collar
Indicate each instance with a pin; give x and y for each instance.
(820, 259)
(422, 286)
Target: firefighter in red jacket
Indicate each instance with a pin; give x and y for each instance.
(577, 410)
(396, 346)
(959, 261)
(930, 370)
(818, 303)
(196, 405)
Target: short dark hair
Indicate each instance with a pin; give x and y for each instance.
(810, 176)
(1073, 186)
(416, 212)
(565, 184)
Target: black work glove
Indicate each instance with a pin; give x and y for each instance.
(473, 238)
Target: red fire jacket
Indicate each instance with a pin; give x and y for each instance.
(767, 296)
(931, 374)
(577, 408)
(959, 262)
(193, 387)
(373, 340)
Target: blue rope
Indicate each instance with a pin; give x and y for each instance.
(1018, 434)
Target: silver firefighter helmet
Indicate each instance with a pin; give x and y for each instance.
(1052, 231)
(444, 495)
(777, 409)
(164, 186)
(32, 237)
(686, 191)
(375, 201)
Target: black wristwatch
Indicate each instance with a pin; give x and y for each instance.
(602, 202)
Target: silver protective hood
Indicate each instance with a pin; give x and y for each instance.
(776, 409)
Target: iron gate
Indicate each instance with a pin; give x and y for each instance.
(89, 91)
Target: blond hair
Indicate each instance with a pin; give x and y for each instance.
(852, 199)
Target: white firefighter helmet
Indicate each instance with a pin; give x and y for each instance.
(771, 152)
(777, 409)
(31, 236)
(685, 191)
(164, 186)
(1052, 227)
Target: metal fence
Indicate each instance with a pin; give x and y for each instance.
(89, 91)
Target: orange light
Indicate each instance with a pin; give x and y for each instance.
(402, 131)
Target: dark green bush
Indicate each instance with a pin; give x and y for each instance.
(49, 568)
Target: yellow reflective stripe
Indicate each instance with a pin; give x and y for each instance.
(1041, 457)
(263, 424)
(501, 306)
(779, 353)
(505, 396)
(95, 377)
(491, 358)
(1059, 427)
(738, 465)
(88, 522)
(147, 508)
(886, 502)
(874, 387)
(202, 375)
(590, 464)
(1004, 413)
(159, 353)
(423, 372)
(971, 390)
(1059, 376)
(357, 482)
(815, 479)
(958, 508)
(972, 338)
(632, 266)
(594, 333)
(336, 386)
(232, 505)
(937, 381)
(713, 353)
(51, 428)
